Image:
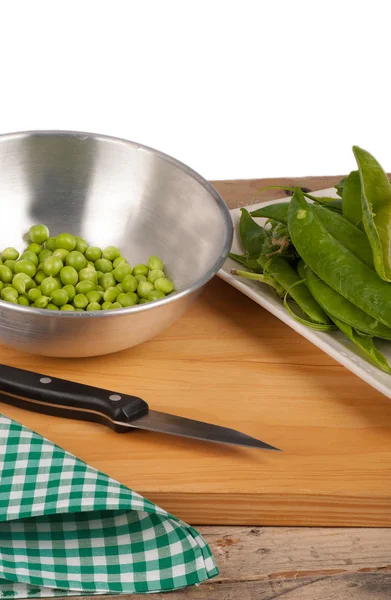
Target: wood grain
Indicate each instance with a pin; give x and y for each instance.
(230, 362)
(298, 564)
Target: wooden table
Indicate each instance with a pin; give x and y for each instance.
(293, 563)
(266, 563)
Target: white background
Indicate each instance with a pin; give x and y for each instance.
(235, 89)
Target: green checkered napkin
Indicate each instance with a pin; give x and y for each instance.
(67, 529)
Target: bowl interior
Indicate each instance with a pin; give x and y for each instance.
(112, 192)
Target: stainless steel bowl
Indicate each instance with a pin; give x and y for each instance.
(110, 192)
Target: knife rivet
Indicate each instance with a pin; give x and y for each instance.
(45, 380)
(115, 397)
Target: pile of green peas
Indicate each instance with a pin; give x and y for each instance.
(65, 273)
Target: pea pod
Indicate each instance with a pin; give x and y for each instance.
(252, 235)
(287, 277)
(339, 227)
(246, 261)
(350, 236)
(340, 308)
(376, 210)
(335, 264)
(351, 199)
(330, 203)
(365, 343)
(277, 212)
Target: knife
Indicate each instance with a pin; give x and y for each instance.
(121, 412)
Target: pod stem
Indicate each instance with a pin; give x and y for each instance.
(259, 277)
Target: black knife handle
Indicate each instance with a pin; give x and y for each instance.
(52, 396)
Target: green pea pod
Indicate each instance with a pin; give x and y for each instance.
(282, 272)
(340, 308)
(342, 230)
(335, 264)
(277, 212)
(339, 186)
(252, 235)
(330, 203)
(351, 199)
(376, 210)
(335, 223)
(365, 343)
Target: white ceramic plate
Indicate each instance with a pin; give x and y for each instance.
(334, 343)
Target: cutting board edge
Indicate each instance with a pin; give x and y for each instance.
(306, 510)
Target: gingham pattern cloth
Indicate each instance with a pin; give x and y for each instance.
(68, 529)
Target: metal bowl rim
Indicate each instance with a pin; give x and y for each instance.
(138, 307)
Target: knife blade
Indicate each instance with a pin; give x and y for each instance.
(121, 412)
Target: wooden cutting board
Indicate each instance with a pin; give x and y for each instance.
(230, 362)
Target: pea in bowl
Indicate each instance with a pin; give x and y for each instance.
(144, 234)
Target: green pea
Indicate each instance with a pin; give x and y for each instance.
(111, 294)
(66, 240)
(48, 285)
(104, 265)
(144, 300)
(39, 234)
(1, 262)
(140, 270)
(70, 290)
(144, 289)
(115, 305)
(93, 296)
(69, 276)
(25, 266)
(129, 283)
(127, 299)
(106, 305)
(88, 273)
(52, 306)
(119, 287)
(10, 254)
(67, 307)
(8, 291)
(90, 263)
(41, 302)
(140, 278)
(107, 280)
(81, 245)
(61, 253)
(99, 274)
(76, 259)
(164, 285)
(122, 271)
(31, 256)
(39, 277)
(22, 282)
(51, 244)
(154, 262)
(10, 298)
(156, 295)
(23, 301)
(34, 247)
(99, 288)
(10, 264)
(59, 297)
(93, 253)
(111, 253)
(43, 255)
(93, 306)
(120, 260)
(80, 301)
(1, 285)
(52, 266)
(155, 274)
(5, 274)
(34, 294)
(83, 287)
